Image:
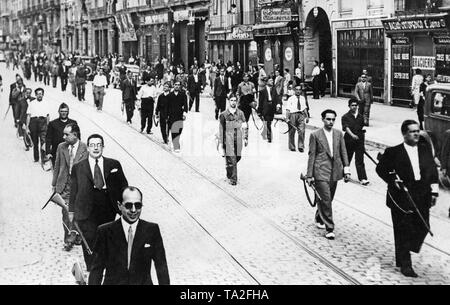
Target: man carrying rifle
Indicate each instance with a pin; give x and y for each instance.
(412, 178)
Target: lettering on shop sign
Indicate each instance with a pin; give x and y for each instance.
(402, 40)
(156, 19)
(412, 25)
(401, 75)
(443, 78)
(242, 33)
(423, 62)
(276, 15)
(442, 40)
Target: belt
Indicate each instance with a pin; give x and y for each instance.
(38, 117)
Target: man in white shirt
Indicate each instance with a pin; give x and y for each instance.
(146, 97)
(98, 88)
(38, 117)
(316, 82)
(327, 164)
(297, 114)
(411, 164)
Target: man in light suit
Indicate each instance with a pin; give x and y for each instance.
(96, 187)
(364, 95)
(125, 248)
(71, 151)
(327, 164)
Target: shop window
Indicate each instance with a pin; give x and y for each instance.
(440, 104)
(162, 45)
(443, 63)
(346, 6)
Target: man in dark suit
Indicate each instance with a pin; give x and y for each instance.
(80, 80)
(69, 152)
(125, 248)
(194, 88)
(364, 95)
(222, 87)
(55, 132)
(161, 111)
(327, 164)
(63, 72)
(96, 187)
(267, 106)
(22, 113)
(413, 162)
(129, 91)
(176, 109)
(17, 89)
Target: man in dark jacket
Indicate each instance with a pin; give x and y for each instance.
(411, 164)
(129, 91)
(268, 101)
(142, 244)
(161, 111)
(17, 89)
(177, 108)
(194, 88)
(80, 80)
(222, 86)
(63, 72)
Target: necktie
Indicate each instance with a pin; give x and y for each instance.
(70, 158)
(130, 245)
(298, 104)
(98, 179)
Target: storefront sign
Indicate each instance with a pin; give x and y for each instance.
(288, 54)
(276, 15)
(181, 15)
(212, 37)
(423, 62)
(423, 24)
(400, 40)
(441, 40)
(273, 32)
(156, 19)
(242, 33)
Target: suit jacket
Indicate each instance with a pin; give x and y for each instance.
(194, 88)
(110, 254)
(221, 90)
(396, 159)
(63, 70)
(81, 75)
(362, 94)
(54, 136)
(162, 106)
(15, 95)
(82, 186)
(176, 106)
(61, 170)
(264, 107)
(323, 166)
(129, 89)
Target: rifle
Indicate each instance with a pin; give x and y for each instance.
(6, 113)
(279, 118)
(88, 249)
(313, 204)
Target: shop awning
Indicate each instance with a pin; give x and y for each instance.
(272, 25)
(417, 23)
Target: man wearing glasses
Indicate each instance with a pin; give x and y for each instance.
(141, 240)
(327, 164)
(96, 186)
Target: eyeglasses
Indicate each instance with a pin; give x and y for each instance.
(92, 145)
(328, 119)
(129, 205)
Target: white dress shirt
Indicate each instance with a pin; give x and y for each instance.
(147, 91)
(100, 81)
(126, 227)
(292, 104)
(100, 164)
(36, 108)
(413, 154)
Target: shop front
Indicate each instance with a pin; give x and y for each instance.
(155, 36)
(241, 38)
(417, 42)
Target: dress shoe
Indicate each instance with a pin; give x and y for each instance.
(320, 225)
(301, 150)
(270, 141)
(364, 182)
(408, 271)
(330, 235)
(67, 247)
(232, 182)
(291, 149)
(149, 132)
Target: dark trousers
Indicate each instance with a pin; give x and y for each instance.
(102, 212)
(175, 129)
(231, 166)
(38, 130)
(40, 77)
(196, 97)
(164, 128)
(81, 88)
(244, 105)
(316, 85)
(129, 109)
(220, 104)
(298, 120)
(36, 75)
(54, 77)
(65, 194)
(420, 112)
(63, 83)
(364, 110)
(356, 147)
(16, 112)
(46, 79)
(147, 106)
(324, 213)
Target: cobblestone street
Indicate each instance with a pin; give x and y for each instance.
(258, 232)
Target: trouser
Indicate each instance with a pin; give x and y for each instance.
(297, 119)
(231, 167)
(81, 87)
(129, 109)
(316, 89)
(36, 75)
(54, 77)
(15, 112)
(220, 105)
(364, 110)
(164, 130)
(102, 212)
(175, 129)
(357, 147)
(196, 97)
(244, 105)
(38, 130)
(324, 213)
(73, 86)
(99, 93)
(147, 106)
(420, 112)
(267, 130)
(63, 83)
(46, 79)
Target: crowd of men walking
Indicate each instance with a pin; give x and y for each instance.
(95, 189)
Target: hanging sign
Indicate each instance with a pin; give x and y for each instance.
(423, 62)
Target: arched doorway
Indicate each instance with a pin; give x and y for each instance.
(317, 41)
